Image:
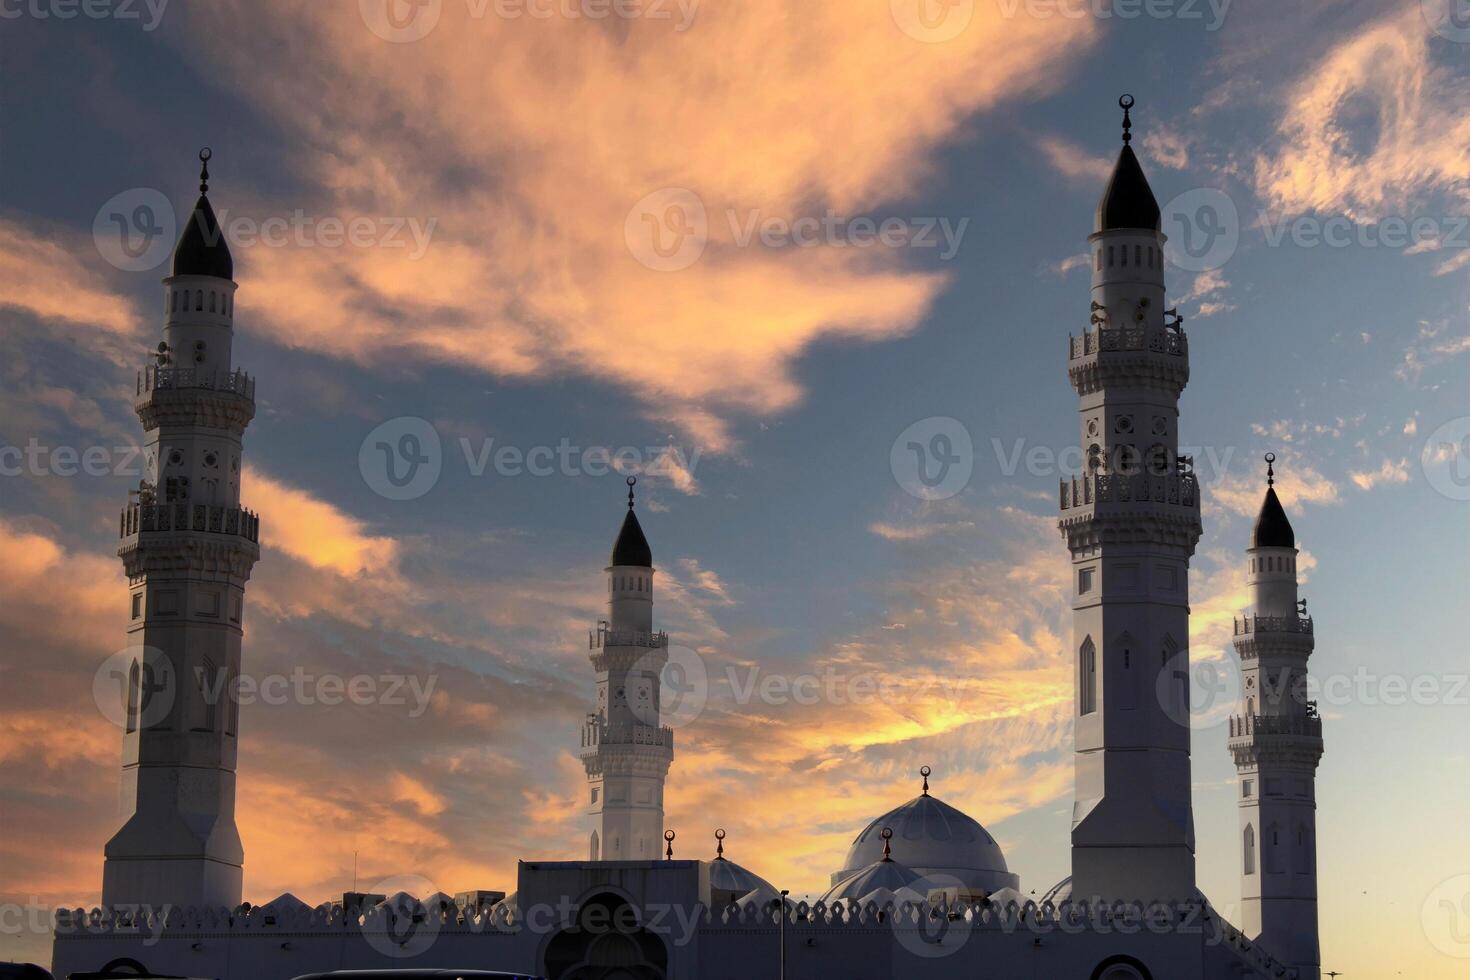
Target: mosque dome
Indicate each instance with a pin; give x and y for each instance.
(1058, 893)
(726, 875)
(933, 838)
(880, 882)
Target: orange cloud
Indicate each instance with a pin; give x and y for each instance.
(45, 279)
(314, 531)
(529, 174)
(1421, 143)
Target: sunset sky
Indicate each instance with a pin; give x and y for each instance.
(506, 172)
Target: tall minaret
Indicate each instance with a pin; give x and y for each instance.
(625, 751)
(187, 548)
(1276, 741)
(1131, 522)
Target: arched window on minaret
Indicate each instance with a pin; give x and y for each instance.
(1270, 850)
(207, 714)
(134, 693)
(1249, 849)
(594, 851)
(1087, 678)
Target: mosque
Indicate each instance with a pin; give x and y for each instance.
(924, 891)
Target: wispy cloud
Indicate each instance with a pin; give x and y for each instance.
(1417, 145)
(530, 272)
(1388, 472)
(1074, 162)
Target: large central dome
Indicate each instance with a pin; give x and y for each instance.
(933, 838)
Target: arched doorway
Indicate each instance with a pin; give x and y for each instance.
(606, 943)
(1121, 968)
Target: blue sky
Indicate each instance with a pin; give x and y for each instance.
(781, 375)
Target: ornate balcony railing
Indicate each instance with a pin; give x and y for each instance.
(1102, 339)
(1307, 726)
(236, 382)
(1273, 624)
(1084, 491)
(594, 734)
(604, 637)
(145, 518)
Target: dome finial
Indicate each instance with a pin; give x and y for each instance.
(887, 835)
(632, 482)
(719, 843)
(1270, 469)
(204, 155)
(1125, 103)
(925, 771)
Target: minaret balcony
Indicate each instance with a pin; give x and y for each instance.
(1104, 339)
(604, 637)
(142, 518)
(236, 382)
(1249, 726)
(1175, 489)
(1273, 624)
(595, 735)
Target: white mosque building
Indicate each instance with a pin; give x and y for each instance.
(925, 890)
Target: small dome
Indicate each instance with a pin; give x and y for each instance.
(1128, 201)
(632, 547)
(933, 838)
(727, 876)
(1272, 530)
(1058, 893)
(202, 249)
(886, 878)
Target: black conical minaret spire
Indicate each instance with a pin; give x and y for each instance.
(1128, 201)
(202, 249)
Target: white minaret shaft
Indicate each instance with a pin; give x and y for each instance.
(187, 548)
(625, 750)
(1276, 741)
(1131, 522)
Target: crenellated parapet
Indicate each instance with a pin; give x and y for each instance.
(293, 939)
